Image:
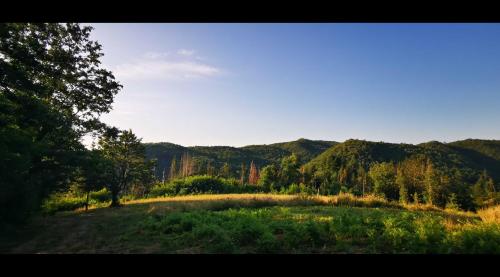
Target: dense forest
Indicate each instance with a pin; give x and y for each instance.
(463, 173)
(217, 157)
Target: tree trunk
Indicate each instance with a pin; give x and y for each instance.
(364, 181)
(87, 201)
(115, 202)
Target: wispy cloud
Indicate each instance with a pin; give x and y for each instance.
(156, 55)
(164, 69)
(157, 66)
(185, 52)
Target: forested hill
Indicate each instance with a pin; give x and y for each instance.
(217, 156)
(470, 157)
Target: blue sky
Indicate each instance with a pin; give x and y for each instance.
(241, 84)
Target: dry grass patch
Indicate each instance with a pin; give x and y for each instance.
(491, 215)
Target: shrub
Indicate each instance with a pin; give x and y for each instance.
(398, 233)
(125, 198)
(475, 238)
(267, 243)
(452, 203)
(71, 201)
(62, 202)
(201, 184)
(102, 195)
(293, 189)
(430, 233)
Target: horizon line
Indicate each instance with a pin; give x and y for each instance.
(380, 141)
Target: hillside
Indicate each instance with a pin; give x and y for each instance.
(218, 155)
(360, 151)
(304, 148)
(482, 154)
(452, 168)
(470, 157)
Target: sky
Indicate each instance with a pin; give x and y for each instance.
(242, 84)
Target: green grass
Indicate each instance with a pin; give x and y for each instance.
(254, 224)
(316, 230)
(68, 201)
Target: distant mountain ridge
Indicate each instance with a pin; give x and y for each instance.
(261, 155)
(471, 154)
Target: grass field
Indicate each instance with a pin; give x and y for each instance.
(259, 223)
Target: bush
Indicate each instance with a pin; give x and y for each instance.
(71, 201)
(201, 184)
(293, 189)
(62, 202)
(479, 238)
(102, 195)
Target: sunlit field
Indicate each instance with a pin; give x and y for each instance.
(260, 223)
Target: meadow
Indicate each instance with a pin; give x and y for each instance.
(259, 223)
(63, 193)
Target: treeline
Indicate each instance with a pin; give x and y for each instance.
(432, 173)
(52, 93)
(271, 178)
(416, 179)
(188, 165)
(438, 173)
(234, 157)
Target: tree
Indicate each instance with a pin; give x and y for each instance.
(416, 198)
(210, 169)
(253, 176)
(289, 171)
(483, 191)
(384, 180)
(95, 173)
(411, 174)
(164, 175)
(402, 183)
(173, 169)
(242, 174)
(187, 165)
(302, 171)
(452, 202)
(431, 184)
(52, 92)
(225, 171)
(144, 178)
(269, 177)
(343, 174)
(126, 154)
(362, 179)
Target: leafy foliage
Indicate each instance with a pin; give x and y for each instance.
(200, 184)
(432, 170)
(125, 155)
(318, 229)
(52, 91)
(71, 201)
